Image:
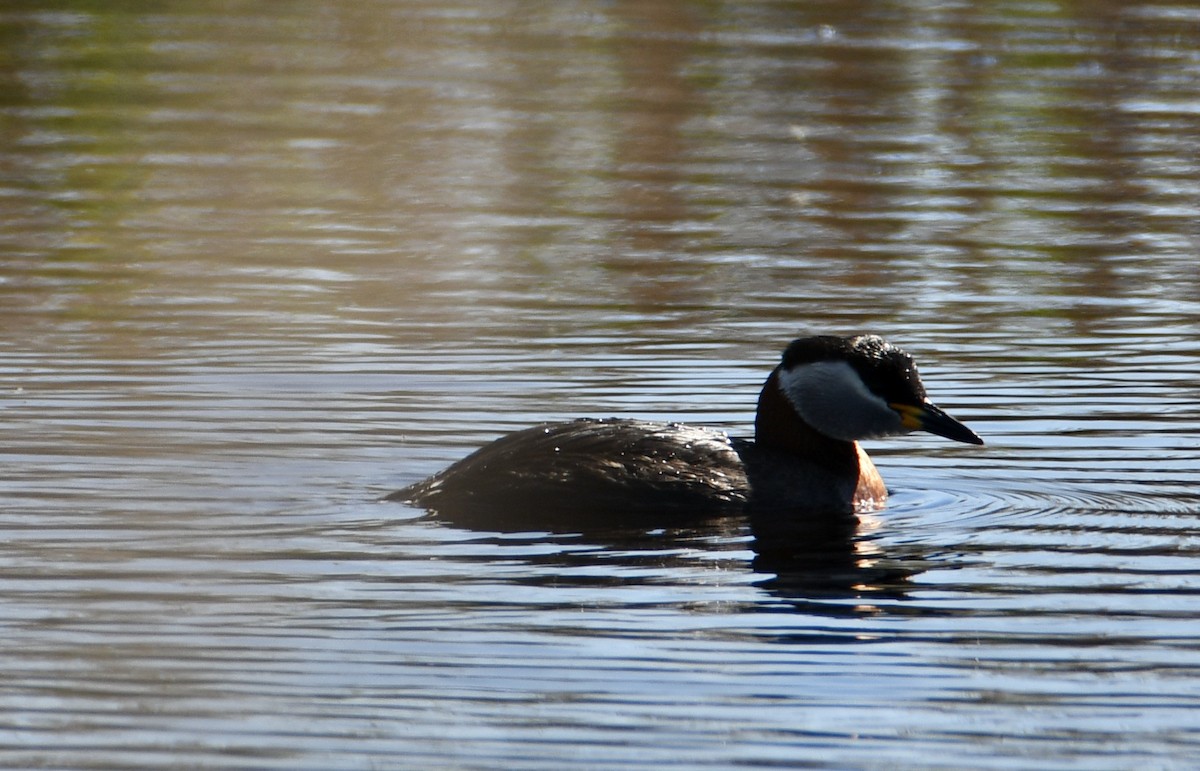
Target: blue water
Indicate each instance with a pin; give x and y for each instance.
(260, 266)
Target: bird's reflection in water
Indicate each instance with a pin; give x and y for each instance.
(809, 561)
(812, 563)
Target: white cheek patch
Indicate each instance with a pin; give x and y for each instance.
(832, 398)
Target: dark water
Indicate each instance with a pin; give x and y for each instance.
(261, 263)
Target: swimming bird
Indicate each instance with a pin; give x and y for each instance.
(825, 395)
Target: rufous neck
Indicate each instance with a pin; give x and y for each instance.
(778, 427)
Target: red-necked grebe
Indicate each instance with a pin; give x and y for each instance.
(826, 394)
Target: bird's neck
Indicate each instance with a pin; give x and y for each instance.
(778, 427)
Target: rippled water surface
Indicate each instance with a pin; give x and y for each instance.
(263, 263)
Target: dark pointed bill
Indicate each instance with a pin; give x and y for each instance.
(928, 417)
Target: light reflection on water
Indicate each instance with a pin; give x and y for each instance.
(259, 267)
